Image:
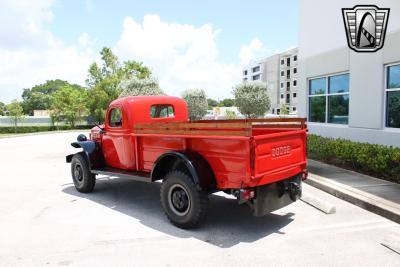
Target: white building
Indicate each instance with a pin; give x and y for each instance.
(280, 73)
(288, 80)
(347, 94)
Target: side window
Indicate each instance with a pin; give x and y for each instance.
(115, 118)
(162, 111)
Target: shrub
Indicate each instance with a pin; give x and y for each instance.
(376, 160)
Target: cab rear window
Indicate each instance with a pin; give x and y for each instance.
(162, 111)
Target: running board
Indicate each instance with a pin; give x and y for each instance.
(133, 175)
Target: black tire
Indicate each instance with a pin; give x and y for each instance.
(184, 204)
(83, 179)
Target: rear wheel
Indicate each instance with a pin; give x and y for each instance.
(83, 179)
(184, 204)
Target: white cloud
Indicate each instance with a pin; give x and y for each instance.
(254, 50)
(182, 56)
(30, 54)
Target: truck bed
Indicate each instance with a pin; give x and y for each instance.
(242, 153)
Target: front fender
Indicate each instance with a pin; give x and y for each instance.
(93, 152)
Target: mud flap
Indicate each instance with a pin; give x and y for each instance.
(276, 195)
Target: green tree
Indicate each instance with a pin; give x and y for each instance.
(2, 109)
(252, 99)
(69, 104)
(39, 96)
(227, 103)
(196, 100)
(15, 112)
(103, 80)
(135, 87)
(212, 103)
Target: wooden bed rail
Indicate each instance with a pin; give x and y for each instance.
(219, 127)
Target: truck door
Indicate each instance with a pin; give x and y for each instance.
(117, 146)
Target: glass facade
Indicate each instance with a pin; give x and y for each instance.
(329, 99)
(393, 96)
(317, 86)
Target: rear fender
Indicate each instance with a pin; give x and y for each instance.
(198, 168)
(93, 152)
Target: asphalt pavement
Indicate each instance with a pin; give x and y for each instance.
(45, 221)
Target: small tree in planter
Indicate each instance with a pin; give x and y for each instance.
(196, 100)
(136, 87)
(252, 99)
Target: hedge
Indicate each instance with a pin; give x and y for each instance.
(375, 160)
(34, 129)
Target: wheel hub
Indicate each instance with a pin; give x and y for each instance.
(78, 173)
(179, 200)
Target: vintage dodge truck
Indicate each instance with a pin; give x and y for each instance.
(261, 162)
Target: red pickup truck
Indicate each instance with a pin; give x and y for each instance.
(262, 162)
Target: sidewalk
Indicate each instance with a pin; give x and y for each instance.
(375, 195)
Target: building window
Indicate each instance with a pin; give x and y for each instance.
(294, 70)
(288, 62)
(294, 108)
(281, 85)
(294, 95)
(287, 98)
(295, 58)
(244, 79)
(393, 96)
(256, 77)
(294, 82)
(245, 72)
(329, 99)
(288, 74)
(281, 95)
(287, 86)
(282, 61)
(282, 73)
(278, 111)
(273, 111)
(256, 69)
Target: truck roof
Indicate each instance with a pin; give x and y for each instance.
(139, 107)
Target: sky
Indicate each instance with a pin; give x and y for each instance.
(187, 44)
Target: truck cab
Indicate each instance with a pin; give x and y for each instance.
(118, 143)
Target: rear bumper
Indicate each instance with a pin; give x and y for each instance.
(276, 195)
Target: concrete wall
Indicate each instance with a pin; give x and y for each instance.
(323, 51)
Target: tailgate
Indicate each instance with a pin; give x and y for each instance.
(279, 155)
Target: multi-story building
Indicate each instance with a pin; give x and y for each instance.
(280, 73)
(348, 94)
(288, 80)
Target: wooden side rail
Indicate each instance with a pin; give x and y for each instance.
(219, 127)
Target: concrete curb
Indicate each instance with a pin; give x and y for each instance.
(357, 197)
(318, 203)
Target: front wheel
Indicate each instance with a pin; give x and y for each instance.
(83, 179)
(184, 204)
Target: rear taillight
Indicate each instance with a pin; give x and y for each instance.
(304, 175)
(247, 194)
